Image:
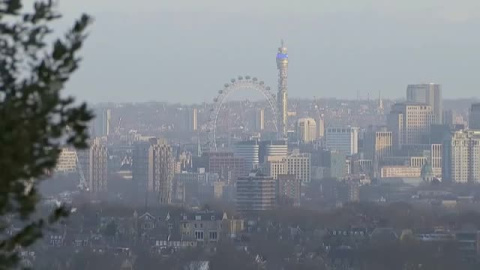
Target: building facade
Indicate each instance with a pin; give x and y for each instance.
(101, 122)
(226, 165)
(320, 127)
(249, 151)
(410, 123)
(209, 227)
(153, 169)
(300, 164)
(400, 172)
(288, 189)
(430, 94)
(275, 166)
(342, 139)
(272, 149)
(67, 162)
(378, 144)
(461, 157)
(306, 130)
(191, 120)
(94, 164)
(256, 192)
(474, 117)
(334, 163)
(190, 187)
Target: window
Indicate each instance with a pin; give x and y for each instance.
(199, 235)
(213, 236)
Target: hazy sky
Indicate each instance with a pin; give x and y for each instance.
(185, 50)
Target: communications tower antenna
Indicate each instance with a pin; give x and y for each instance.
(282, 94)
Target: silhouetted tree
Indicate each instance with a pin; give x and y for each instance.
(36, 121)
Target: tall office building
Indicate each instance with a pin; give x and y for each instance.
(289, 189)
(474, 117)
(448, 118)
(226, 165)
(377, 145)
(300, 164)
(438, 133)
(248, 150)
(193, 186)
(191, 119)
(153, 169)
(94, 164)
(282, 66)
(335, 164)
(306, 130)
(430, 94)
(272, 149)
(320, 127)
(342, 139)
(410, 123)
(275, 166)
(435, 158)
(461, 157)
(260, 119)
(256, 192)
(101, 122)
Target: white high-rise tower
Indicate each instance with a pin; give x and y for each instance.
(282, 66)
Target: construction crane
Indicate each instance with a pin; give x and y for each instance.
(316, 104)
(83, 185)
(117, 128)
(320, 118)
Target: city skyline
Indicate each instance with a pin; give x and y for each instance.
(361, 153)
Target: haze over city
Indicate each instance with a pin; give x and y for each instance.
(248, 135)
(183, 51)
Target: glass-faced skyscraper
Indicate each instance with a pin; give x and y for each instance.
(282, 66)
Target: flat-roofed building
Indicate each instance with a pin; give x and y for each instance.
(256, 192)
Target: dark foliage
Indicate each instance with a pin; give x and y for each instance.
(36, 121)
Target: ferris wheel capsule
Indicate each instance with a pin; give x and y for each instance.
(240, 78)
(220, 91)
(232, 80)
(267, 88)
(261, 82)
(215, 99)
(247, 77)
(226, 85)
(254, 79)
